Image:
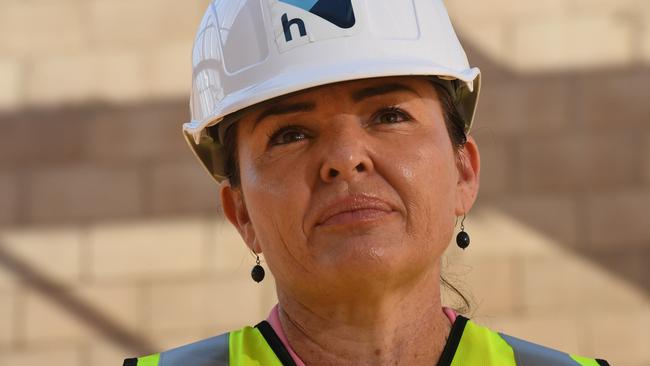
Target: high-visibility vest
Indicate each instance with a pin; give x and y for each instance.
(468, 344)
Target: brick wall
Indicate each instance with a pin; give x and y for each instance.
(111, 241)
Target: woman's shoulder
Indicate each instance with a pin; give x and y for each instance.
(472, 344)
(236, 347)
(212, 351)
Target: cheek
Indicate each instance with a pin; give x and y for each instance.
(425, 178)
(276, 201)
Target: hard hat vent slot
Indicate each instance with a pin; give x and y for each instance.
(243, 35)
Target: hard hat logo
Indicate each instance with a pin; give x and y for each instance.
(337, 12)
(300, 22)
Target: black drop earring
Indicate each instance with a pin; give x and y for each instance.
(462, 239)
(258, 271)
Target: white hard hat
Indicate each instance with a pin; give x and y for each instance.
(250, 51)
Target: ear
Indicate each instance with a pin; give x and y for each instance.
(234, 207)
(469, 168)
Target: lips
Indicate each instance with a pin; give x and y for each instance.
(353, 209)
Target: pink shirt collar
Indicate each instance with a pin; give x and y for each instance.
(274, 320)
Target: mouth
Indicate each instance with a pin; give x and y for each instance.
(354, 210)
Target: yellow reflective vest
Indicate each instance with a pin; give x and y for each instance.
(468, 344)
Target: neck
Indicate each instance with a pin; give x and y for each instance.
(405, 327)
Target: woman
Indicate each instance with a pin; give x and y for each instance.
(338, 133)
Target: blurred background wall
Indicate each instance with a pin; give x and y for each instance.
(112, 244)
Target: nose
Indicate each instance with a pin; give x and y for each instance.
(345, 156)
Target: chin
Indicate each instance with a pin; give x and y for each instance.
(365, 262)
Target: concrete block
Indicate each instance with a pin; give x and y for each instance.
(105, 353)
(8, 198)
(8, 279)
(84, 192)
(11, 87)
(7, 318)
(574, 282)
(180, 20)
(572, 42)
(579, 162)
(54, 253)
(237, 302)
(503, 10)
(164, 248)
(124, 23)
(64, 355)
(146, 22)
(555, 216)
(491, 41)
(183, 186)
(613, 102)
(41, 137)
(34, 28)
(604, 6)
(646, 161)
(493, 286)
(119, 75)
(621, 337)
(615, 218)
(46, 321)
(630, 264)
(534, 105)
(180, 306)
(220, 304)
(496, 164)
(67, 78)
(105, 74)
(146, 132)
(645, 36)
(171, 69)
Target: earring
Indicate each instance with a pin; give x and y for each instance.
(258, 271)
(462, 239)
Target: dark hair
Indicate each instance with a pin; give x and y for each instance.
(455, 128)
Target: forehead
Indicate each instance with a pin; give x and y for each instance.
(354, 89)
(336, 94)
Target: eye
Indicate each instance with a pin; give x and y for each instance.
(391, 115)
(286, 135)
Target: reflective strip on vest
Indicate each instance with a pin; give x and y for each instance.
(531, 354)
(208, 352)
(481, 346)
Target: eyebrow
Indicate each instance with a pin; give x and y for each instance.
(357, 96)
(382, 89)
(280, 109)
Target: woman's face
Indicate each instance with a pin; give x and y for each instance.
(350, 185)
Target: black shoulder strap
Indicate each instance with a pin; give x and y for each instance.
(130, 362)
(453, 341)
(276, 344)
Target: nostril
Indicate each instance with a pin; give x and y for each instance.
(360, 168)
(333, 173)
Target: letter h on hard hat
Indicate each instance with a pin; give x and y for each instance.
(250, 51)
